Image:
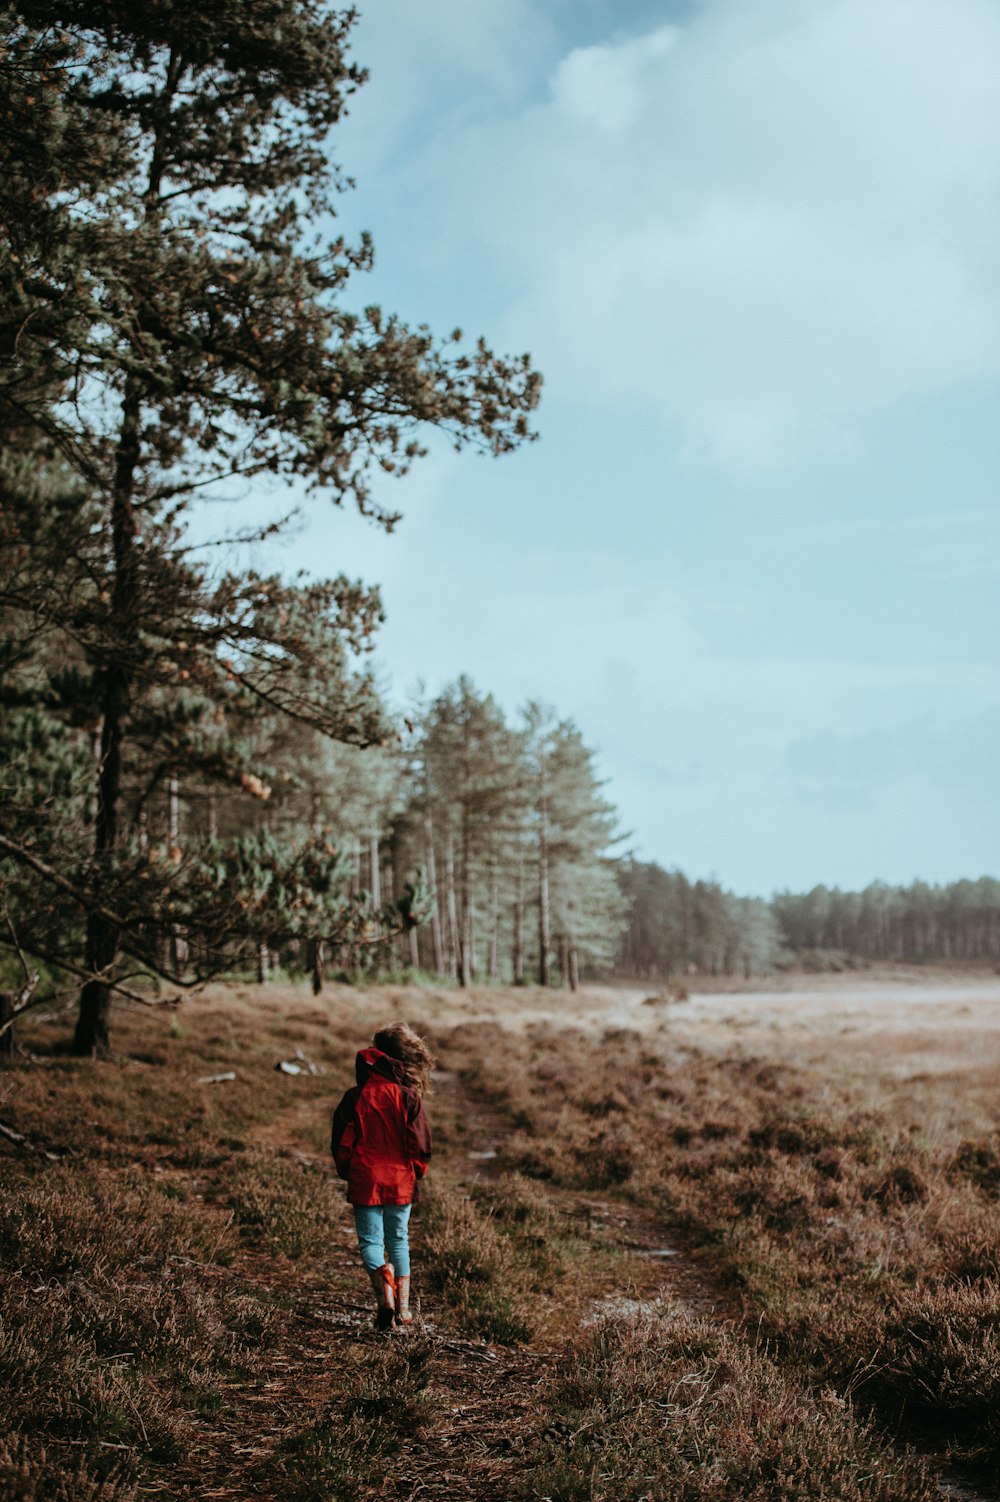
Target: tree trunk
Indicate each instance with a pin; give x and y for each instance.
(6, 1015)
(263, 962)
(453, 937)
(436, 914)
(93, 801)
(414, 949)
(518, 955)
(375, 885)
(317, 958)
(177, 948)
(402, 944)
(101, 949)
(494, 961)
(544, 940)
(574, 968)
(465, 960)
(571, 968)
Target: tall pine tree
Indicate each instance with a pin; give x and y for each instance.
(176, 323)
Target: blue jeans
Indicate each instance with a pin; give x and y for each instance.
(383, 1236)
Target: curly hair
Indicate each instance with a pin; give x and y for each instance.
(402, 1043)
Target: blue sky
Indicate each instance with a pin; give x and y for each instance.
(753, 247)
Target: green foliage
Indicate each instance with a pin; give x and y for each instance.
(958, 921)
(171, 322)
(499, 813)
(674, 925)
(574, 830)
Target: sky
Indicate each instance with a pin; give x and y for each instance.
(753, 247)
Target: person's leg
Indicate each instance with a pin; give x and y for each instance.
(369, 1224)
(396, 1219)
(371, 1235)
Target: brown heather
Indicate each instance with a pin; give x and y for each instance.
(860, 1254)
(181, 1311)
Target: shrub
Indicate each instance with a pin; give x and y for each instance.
(281, 1203)
(659, 1408)
(467, 1260)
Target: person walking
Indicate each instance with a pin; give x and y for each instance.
(381, 1145)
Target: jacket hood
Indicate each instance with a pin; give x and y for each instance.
(373, 1061)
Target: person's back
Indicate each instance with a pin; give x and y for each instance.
(381, 1145)
(383, 1142)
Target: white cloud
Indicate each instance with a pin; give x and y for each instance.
(759, 232)
(606, 85)
(767, 224)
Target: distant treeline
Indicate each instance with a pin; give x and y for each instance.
(960, 921)
(675, 925)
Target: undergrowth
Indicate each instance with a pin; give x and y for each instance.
(166, 1266)
(864, 1250)
(669, 1408)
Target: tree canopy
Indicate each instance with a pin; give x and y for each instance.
(176, 317)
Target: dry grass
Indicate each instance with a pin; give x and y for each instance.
(669, 1408)
(118, 1337)
(179, 1306)
(865, 1252)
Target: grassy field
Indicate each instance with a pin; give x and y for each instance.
(728, 1247)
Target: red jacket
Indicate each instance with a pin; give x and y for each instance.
(381, 1142)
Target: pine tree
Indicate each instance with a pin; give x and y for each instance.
(473, 781)
(579, 906)
(172, 326)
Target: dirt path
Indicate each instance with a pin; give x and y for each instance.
(483, 1401)
(480, 1399)
(483, 1405)
(663, 1274)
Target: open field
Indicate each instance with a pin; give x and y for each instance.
(739, 1245)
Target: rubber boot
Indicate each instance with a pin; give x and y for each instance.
(384, 1284)
(404, 1319)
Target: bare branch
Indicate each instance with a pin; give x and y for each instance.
(30, 979)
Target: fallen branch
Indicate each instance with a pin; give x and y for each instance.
(20, 1140)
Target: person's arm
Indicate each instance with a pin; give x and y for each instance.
(342, 1136)
(418, 1133)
